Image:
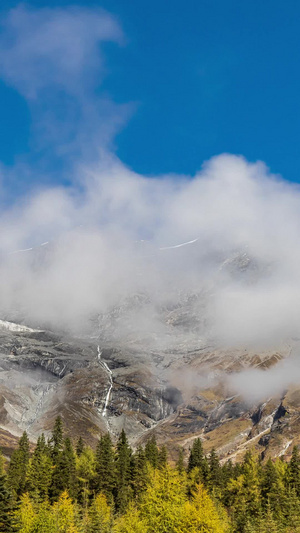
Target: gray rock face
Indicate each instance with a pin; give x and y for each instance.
(149, 364)
(105, 382)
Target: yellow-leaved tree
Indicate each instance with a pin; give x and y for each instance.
(130, 522)
(201, 514)
(25, 515)
(66, 515)
(161, 505)
(99, 516)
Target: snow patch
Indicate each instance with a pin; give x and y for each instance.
(179, 245)
(11, 326)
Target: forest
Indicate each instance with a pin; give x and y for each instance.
(65, 487)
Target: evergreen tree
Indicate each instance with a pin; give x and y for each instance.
(162, 457)
(41, 446)
(85, 473)
(39, 473)
(180, 461)
(18, 466)
(123, 473)
(105, 468)
(214, 477)
(291, 510)
(6, 505)
(198, 460)
(272, 488)
(244, 495)
(293, 473)
(151, 451)
(139, 472)
(64, 473)
(79, 447)
(56, 440)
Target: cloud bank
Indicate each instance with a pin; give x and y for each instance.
(112, 233)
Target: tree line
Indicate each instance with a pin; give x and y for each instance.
(65, 488)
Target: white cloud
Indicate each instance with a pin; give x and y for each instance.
(94, 226)
(53, 57)
(54, 47)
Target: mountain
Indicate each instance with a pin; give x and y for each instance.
(148, 364)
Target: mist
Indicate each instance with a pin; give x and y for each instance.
(68, 254)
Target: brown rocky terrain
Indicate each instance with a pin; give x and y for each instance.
(178, 389)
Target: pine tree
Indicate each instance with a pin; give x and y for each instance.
(139, 472)
(57, 438)
(18, 466)
(105, 468)
(123, 474)
(151, 451)
(180, 461)
(272, 488)
(6, 505)
(243, 493)
(39, 473)
(79, 447)
(293, 473)
(85, 473)
(198, 460)
(64, 473)
(214, 477)
(162, 457)
(291, 510)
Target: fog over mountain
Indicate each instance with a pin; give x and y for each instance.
(119, 234)
(143, 293)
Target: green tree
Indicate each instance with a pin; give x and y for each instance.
(6, 503)
(198, 460)
(293, 472)
(180, 461)
(64, 473)
(79, 447)
(57, 439)
(85, 473)
(214, 476)
(18, 466)
(151, 451)
(272, 488)
(123, 472)
(105, 468)
(162, 459)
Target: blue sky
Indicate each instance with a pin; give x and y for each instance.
(97, 100)
(186, 81)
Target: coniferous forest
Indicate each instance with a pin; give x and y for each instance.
(62, 487)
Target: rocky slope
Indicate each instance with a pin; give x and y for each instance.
(107, 382)
(149, 364)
